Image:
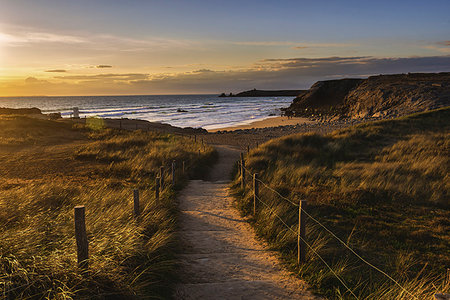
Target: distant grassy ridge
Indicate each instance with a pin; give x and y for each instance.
(382, 187)
(47, 168)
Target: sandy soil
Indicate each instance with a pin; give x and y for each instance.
(269, 122)
(221, 257)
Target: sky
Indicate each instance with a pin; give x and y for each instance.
(114, 47)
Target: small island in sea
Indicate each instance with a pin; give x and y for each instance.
(266, 93)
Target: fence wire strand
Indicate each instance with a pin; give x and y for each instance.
(310, 247)
(335, 236)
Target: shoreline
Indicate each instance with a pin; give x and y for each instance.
(265, 123)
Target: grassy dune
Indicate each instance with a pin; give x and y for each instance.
(47, 168)
(382, 187)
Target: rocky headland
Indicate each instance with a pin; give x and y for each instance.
(266, 93)
(375, 97)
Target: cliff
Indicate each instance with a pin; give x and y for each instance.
(376, 96)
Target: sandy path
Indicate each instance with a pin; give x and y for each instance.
(221, 257)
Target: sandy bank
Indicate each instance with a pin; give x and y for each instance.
(270, 122)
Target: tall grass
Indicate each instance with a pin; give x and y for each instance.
(382, 187)
(129, 257)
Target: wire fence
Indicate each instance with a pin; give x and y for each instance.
(245, 172)
(167, 176)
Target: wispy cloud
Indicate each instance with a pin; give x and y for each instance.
(56, 71)
(274, 73)
(111, 76)
(444, 43)
(15, 36)
(103, 66)
(295, 45)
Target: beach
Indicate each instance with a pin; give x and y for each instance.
(269, 122)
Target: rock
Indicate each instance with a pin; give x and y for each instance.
(54, 116)
(20, 111)
(377, 96)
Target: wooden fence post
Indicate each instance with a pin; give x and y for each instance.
(242, 172)
(157, 182)
(173, 173)
(136, 202)
(248, 149)
(81, 237)
(301, 245)
(195, 138)
(184, 167)
(161, 177)
(255, 192)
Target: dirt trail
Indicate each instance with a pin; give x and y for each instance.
(221, 258)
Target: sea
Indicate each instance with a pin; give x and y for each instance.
(198, 111)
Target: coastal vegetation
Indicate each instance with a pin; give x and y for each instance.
(381, 187)
(49, 167)
(385, 96)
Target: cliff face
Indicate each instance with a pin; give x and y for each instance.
(393, 95)
(376, 96)
(322, 96)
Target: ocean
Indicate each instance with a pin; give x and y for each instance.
(205, 111)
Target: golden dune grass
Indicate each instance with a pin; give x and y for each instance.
(47, 168)
(383, 187)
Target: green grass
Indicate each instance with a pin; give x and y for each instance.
(47, 168)
(382, 187)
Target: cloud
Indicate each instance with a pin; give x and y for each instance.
(56, 71)
(110, 76)
(274, 73)
(295, 45)
(103, 66)
(444, 43)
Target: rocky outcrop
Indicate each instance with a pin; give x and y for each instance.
(20, 111)
(323, 96)
(376, 96)
(394, 95)
(265, 93)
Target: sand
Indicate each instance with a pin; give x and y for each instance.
(221, 257)
(269, 122)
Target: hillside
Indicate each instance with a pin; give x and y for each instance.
(49, 167)
(382, 187)
(376, 96)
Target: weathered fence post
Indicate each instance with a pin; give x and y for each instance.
(195, 138)
(239, 167)
(81, 237)
(173, 173)
(136, 202)
(255, 192)
(184, 169)
(248, 149)
(157, 182)
(242, 171)
(161, 177)
(301, 245)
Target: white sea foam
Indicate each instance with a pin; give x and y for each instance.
(206, 111)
